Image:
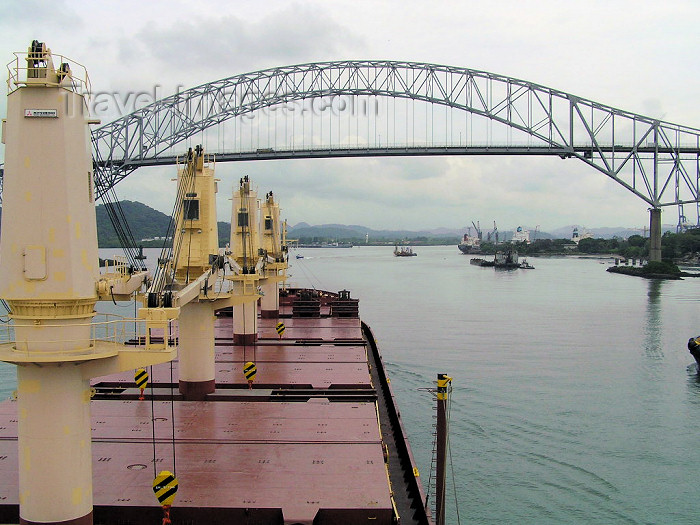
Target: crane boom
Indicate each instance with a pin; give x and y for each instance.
(478, 229)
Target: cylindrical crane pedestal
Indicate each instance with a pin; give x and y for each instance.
(245, 323)
(270, 302)
(196, 351)
(54, 441)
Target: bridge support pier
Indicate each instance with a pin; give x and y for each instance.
(655, 234)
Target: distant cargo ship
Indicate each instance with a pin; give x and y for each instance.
(521, 235)
(469, 243)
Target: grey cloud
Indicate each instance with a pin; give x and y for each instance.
(653, 107)
(388, 182)
(32, 12)
(373, 192)
(229, 44)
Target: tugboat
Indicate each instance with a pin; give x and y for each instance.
(526, 265)
(406, 251)
(694, 348)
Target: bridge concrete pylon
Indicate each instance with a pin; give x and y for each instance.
(655, 234)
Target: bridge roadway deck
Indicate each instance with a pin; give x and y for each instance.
(410, 151)
(304, 445)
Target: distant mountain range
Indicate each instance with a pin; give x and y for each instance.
(344, 232)
(148, 226)
(341, 231)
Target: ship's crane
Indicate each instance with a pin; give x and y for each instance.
(478, 229)
(192, 274)
(50, 277)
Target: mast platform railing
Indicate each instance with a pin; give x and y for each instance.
(113, 331)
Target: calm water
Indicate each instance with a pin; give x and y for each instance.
(574, 396)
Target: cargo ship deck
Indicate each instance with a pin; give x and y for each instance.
(318, 439)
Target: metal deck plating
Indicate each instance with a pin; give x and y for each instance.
(317, 440)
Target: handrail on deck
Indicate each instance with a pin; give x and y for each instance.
(114, 329)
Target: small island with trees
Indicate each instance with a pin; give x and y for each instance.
(676, 248)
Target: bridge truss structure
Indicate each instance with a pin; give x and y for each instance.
(496, 115)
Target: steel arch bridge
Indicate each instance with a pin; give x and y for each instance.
(657, 161)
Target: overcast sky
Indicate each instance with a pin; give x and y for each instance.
(640, 56)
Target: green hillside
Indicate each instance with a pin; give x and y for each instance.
(144, 223)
